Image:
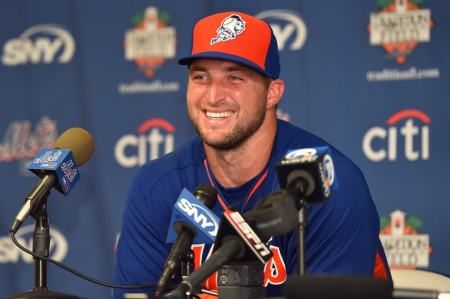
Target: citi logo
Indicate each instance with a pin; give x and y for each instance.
(44, 43)
(199, 215)
(155, 139)
(381, 143)
(286, 25)
(9, 253)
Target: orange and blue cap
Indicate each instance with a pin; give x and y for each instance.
(237, 37)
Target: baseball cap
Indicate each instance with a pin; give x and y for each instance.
(237, 37)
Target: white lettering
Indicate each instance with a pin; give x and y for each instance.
(185, 205)
(132, 150)
(294, 24)
(409, 131)
(376, 132)
(389, 148)
(282, 34)
(43, 49)
(9, 253)
(154, 139)
(194, 213)
(119, 151)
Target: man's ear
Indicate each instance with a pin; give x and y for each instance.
(275, 92)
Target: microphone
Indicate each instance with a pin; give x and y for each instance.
(236, 236)
(308, 174)
(273, 215)
(57, 169)
(188, 217)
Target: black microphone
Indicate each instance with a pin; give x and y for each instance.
(186, 233)
(55, 172)
(237, 240)
(273, 215)
(308, 174)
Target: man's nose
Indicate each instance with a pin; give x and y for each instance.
(216, 93)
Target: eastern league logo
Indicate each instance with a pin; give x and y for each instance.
(403, 243)
(151, 41)
(400, 26)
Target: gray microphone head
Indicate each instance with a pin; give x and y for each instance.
(79, 141)
(207, 194)
(274, 215)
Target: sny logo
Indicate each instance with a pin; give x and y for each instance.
(377, 149)
(135, 150)
(293, 26)
(9, 253)
(45, 43)
(199, 215)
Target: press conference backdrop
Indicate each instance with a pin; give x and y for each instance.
(371, 77)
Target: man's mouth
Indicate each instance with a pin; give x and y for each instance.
(218, 115)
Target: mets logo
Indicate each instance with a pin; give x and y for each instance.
(151, 41)
(404, 245)
(231, 27)
(399, 26)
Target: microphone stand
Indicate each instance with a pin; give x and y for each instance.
(241, 280)
(301, 249)
(41, 246)
(187, 267)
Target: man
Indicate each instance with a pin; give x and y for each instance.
(232, 94)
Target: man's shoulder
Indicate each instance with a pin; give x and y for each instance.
(291, 137)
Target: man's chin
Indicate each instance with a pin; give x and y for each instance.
(220, 144)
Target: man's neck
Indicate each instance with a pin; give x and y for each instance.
(234, 167)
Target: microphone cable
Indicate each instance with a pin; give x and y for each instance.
(75, 272)
(90, 279)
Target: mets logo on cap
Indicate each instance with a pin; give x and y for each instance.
(229, 28)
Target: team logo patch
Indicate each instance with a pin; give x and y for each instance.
(399, 26)
(403, 243)
(151, 40)
(231, 27)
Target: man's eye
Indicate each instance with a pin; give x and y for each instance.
(199, 77)
(234, 78)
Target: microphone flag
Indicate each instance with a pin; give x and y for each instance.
(189, 209)
(62, 163)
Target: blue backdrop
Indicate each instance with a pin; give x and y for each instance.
(371, 77)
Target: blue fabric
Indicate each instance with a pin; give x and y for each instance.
(342, 233)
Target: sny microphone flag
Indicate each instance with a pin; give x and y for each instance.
(62, 162)
(189, 209)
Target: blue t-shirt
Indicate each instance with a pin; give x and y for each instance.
(341, 237)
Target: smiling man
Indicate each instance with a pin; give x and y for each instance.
(232, 95)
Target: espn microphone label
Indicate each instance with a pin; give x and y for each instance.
(61, 162)
(260, 249)
(191, 210)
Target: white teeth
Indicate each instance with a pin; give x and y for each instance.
(218, 114)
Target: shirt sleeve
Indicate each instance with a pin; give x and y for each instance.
(141, 249)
